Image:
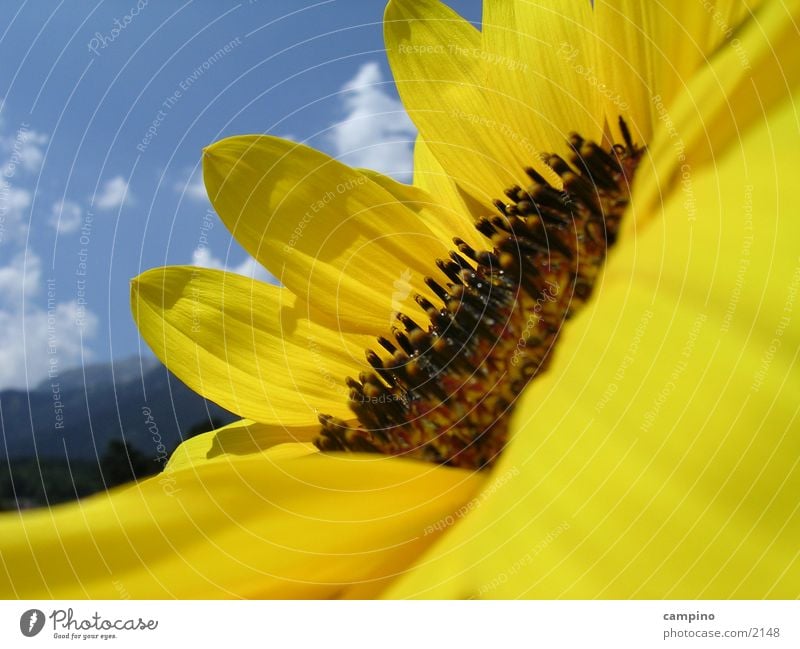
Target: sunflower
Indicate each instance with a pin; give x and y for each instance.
(580, 323)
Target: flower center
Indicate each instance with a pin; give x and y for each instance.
(444, 392)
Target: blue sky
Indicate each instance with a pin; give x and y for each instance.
(105, 109)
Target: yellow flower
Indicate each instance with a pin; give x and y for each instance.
(657, 456)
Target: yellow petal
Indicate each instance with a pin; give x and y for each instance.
(238, 438)
(435, 56)
(755, 70)
(432, 177)
(658, 458)
(329, 233)
(285, 523)
(540, 55)
(651, 49)
(248, 346)
(436, 213)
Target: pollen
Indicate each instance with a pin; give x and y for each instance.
(443, 384)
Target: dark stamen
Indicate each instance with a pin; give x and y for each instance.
(444, 392)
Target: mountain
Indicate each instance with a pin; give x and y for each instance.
(77, 415)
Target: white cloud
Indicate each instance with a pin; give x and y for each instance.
(38, 339)
(20, 279)
(251, 268)
(52, 338)
(31, 153)
(66, 216)
(193, 188)
(376, 132)
(114, 194)
(24, 150)
(203, 258)
(19, 199)
(38, 332)
(14, 205)
(20, 153)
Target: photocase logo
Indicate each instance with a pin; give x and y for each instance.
(31, 622)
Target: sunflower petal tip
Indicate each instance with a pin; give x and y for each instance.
(137, 283)
(211, 151)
